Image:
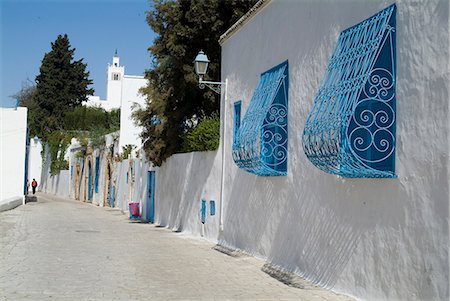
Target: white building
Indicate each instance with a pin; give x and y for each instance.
(122, 91)
(13, 135)
(376, 239)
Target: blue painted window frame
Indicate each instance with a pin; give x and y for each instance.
(236, 119)
(351, 128)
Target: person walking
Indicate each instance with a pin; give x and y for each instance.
(34, 185)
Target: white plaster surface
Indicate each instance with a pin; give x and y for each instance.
(10, 203)
(13, 132)
(129, 132)
(376, 239)
(181, 183)
(34, 162)
(57, 184)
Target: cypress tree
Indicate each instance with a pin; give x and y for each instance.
(61, 86)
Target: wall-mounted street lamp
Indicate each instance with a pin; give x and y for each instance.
(201, 66)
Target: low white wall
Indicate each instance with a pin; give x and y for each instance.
(376, 239)
(13, 132)
(181, 183)
(57, 184)
(10, 203)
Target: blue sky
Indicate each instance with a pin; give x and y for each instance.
(95, 28)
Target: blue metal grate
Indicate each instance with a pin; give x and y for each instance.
(260, 145)
(350, 130)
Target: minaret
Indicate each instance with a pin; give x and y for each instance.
(114, 84)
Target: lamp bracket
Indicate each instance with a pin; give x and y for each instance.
(215, 86)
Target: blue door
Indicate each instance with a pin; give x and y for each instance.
(151, 197)
(89, 186)
(113, 196)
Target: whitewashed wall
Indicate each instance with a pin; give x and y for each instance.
(34, 162)
(13, 132)
(58, 184)
(181, 183)
(376, 239)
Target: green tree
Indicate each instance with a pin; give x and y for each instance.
(26, 98)
(173, 97)
(61, 86)
(204, 137)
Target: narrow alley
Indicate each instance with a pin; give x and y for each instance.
(59, 249)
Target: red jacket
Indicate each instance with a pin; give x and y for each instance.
(34, 183)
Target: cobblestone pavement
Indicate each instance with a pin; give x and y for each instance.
(59, 249)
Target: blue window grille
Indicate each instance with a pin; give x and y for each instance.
(203, 212)
(237, 119)
(97, 173)
(212, 207)
(350, 130)
(260, 144)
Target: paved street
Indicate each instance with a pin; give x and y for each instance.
(59, 249)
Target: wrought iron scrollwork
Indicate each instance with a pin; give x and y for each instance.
(350, 130)
(260, 145)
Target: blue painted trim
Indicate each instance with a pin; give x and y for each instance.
(212, 208)
(150, 214)
(113, 196)
(351, 128)
(97, 173)
(89, 181)
(27, 156)
(203, 212)
(237, 120)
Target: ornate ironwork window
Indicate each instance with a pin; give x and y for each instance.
(260, 144)
(350, 130)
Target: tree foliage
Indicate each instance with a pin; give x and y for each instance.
(26, 98)
(204, 137)
(183, 27)
(62, 85)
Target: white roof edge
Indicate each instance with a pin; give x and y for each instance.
(243, 20)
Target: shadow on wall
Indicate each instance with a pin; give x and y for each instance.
(315, 232)
(180, 184)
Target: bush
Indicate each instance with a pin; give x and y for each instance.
(204, 137)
